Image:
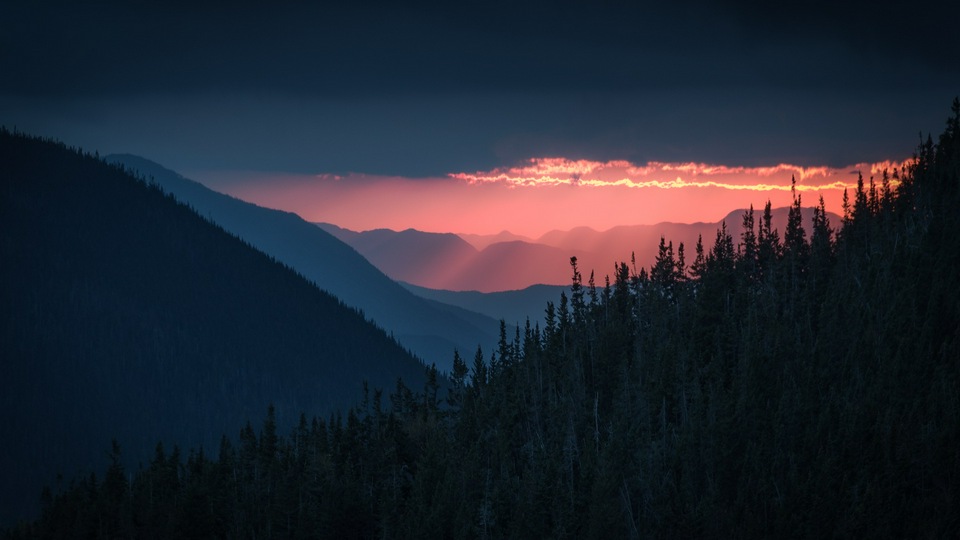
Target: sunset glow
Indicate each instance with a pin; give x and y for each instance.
(543, 194)
(560, 171)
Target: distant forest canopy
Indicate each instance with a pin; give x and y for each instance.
(126, 315)
(803, 385)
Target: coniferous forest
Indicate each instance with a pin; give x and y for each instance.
(781, 384)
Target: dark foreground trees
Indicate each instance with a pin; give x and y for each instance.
(804, 384)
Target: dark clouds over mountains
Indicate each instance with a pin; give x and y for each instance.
(427, 88)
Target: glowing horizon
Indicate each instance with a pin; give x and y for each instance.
(543, 194)
(561, 171)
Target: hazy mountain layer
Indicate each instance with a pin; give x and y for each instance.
(445, 262)
(514, 307)
(481, 241)
(429, 331)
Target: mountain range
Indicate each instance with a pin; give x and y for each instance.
(505, 262)
(429, 330)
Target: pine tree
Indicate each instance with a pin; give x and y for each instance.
(457, 381)
(795, 248)
(768, 244)
(748, 248)
(699, 266)
(664, 270)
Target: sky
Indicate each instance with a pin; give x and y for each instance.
(545, 194)
(399, 114)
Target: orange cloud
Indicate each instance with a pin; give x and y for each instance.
(546, 193)
(655, 174)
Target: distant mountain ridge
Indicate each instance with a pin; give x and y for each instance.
(442, 263)
(437, 261)
(481, 241)
(410, 254)
(514, 307)
(430, 331)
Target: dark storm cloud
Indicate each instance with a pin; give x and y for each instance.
(324, 50)
(425, 88)
(72, 48)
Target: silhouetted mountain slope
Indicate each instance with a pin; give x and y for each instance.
(429, 332)
(515, 307)
(125, 314)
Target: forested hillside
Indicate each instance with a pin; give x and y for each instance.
(126, 315)
(802, 384)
